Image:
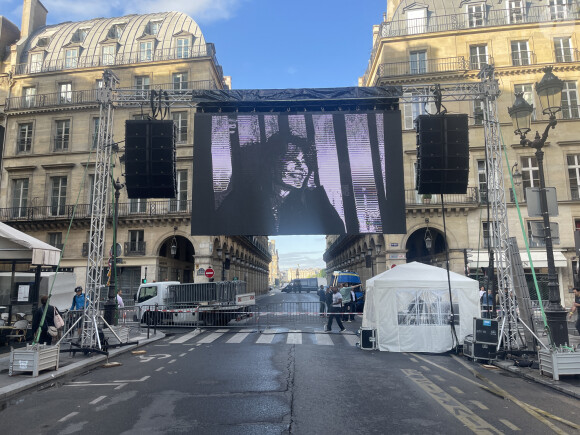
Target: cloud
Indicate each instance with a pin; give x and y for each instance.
(199, 10)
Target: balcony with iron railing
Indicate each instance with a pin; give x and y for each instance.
(465, 21)
(470, 198)
(89, 97)
(149, 209)
(416, 67)
(567, 55)
(135, 248)
(107, 61)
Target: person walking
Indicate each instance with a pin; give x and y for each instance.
(335, 311)
(576, 309)
(45, 337)
(121, 305)
(322, 300)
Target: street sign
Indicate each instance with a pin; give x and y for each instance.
(119, 250)
(209, 272)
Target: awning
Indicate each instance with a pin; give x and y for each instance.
(538, 258)
(16, 245)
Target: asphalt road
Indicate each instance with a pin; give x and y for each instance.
(244, 382)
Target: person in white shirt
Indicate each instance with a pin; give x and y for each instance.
(335, 311)
(121, 304)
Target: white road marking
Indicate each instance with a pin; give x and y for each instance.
(183, 354)
(479, 405)
(210, 338)
(186, 337)
(267, 336)
(425, 368)
(352, 339)
(509, 424)
(457, 390)
(239, 337)
(172, 361)
(439, 378)
(159, 369)
(294, 337)
(97, 400)
(143, 379)
(323, 339)
(67, 417)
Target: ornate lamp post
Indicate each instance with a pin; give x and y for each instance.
(549, 89)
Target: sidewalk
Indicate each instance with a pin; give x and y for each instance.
(569, 384)
(69, 363)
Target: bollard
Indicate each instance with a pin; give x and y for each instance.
(155, 320)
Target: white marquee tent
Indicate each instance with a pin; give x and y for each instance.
(409, 308)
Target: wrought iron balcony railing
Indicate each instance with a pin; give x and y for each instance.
(135, 248)
(89, 97)
(415, 67)
(471, 197)
(523, 58)
(207, 50)
(83, 211)
(455, 22)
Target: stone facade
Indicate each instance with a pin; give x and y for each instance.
(48, 86)
(441, 42)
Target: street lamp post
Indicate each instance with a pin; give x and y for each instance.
(549, 90)
(111, 304)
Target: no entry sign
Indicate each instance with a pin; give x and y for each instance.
(209, 272)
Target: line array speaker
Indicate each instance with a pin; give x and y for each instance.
(442, 154)
(150, 159)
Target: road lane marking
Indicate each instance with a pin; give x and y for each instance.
(323, 339)
(68, 417)
(457, 390)
(461, 412)
(439, 378)
(183, 354)
(509, 424)
(294, 337)
(479, 404)
(120, 386)
(267, 336)
(186, 337)
(210, 338)
(97, 400)
(425, 368)
(351, 339)
(413, 359)
(238, 337)
(172, 361)
(143, 379)
(159, 369)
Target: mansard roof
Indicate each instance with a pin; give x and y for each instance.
(90, 35)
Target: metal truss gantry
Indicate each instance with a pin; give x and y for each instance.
(486, 90)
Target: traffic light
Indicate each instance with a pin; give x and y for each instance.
(144, 281)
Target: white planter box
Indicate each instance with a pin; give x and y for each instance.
(34, 358)
(559, 363)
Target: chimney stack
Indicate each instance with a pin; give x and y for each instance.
(33, 17)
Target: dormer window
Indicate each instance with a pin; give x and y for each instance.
(515, 10)
(36, 62)
(476, 15)
(145, 51)
(71, 58)
(116, 31)
(108, 54)
(154, 27)
(80, 35)
(416, 21)
(182, 49)
(42, 42)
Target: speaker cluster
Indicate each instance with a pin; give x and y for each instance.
(150, 159)
(442, 154)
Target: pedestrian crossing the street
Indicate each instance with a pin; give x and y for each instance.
(268, 336)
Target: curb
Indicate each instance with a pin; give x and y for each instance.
(70, 369)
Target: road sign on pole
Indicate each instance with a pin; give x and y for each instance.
(209, 272)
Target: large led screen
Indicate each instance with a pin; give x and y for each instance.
(298, 173)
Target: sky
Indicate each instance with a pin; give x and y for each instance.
(261, 44)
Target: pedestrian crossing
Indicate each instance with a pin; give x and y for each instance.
(267, 336)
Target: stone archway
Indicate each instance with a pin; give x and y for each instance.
(417, 249)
